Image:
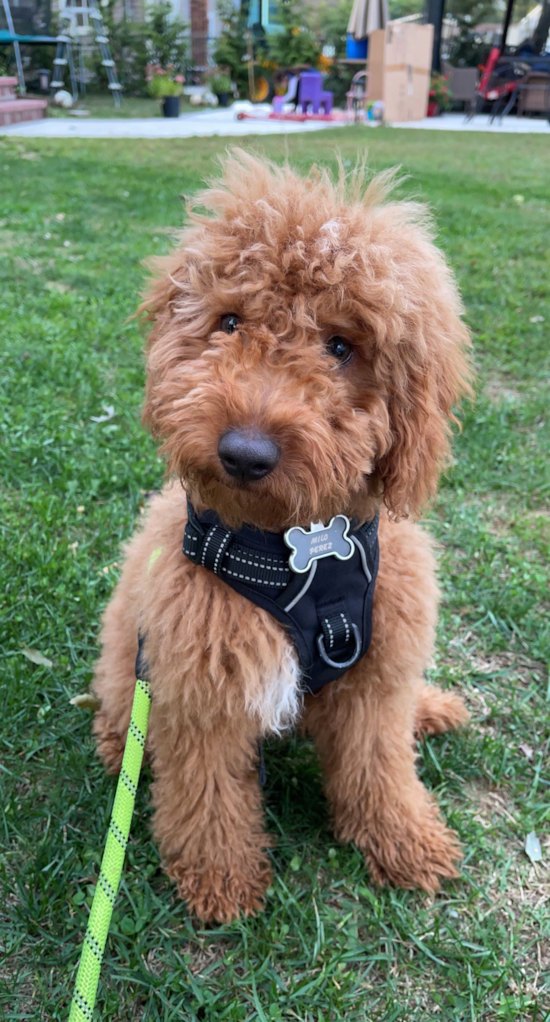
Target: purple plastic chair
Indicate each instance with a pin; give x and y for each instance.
(311, 93)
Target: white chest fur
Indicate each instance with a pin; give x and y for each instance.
(277, 702)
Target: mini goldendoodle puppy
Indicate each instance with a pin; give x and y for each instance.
(305, 355)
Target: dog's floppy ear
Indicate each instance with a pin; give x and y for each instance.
(164, 336)
(430, 374)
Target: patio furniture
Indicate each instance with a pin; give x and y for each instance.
(310, 93)
(534, 94)
(462, 84)
(356, 98)
(531, 92)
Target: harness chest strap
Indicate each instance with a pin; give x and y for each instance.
(325, 604)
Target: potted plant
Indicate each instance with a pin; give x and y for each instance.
(439, 97)
(221, 85)
(166, 86)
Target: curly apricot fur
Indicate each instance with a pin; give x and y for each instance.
(298, 260)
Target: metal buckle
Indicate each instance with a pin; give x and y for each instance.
(343, 663)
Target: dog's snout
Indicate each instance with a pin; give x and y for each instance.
(248, 455)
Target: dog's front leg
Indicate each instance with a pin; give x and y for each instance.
(364, 731)
(208, 817)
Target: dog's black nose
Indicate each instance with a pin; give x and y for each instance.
(247, 454)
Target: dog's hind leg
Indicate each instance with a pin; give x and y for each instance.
(438, 711)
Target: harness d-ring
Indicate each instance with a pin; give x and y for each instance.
(340, 663)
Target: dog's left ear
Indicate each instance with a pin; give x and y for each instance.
(431, 372)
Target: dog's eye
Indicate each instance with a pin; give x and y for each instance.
(229, 323)
(340, 349)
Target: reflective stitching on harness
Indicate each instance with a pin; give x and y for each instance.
(188, 538)
(257, 564)
(346, 626)
(205, 547)
(222, 547)
(248, 578)
(331, 633)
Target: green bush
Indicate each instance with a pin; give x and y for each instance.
(329, 22)
(160, 40)
(230, 48)
(296, 43)
(338, 81)
(128, 42)
(162, 85)
(167, 38)
(219, 82)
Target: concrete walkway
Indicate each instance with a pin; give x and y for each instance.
(481, 122)
(224, 122)
(204, 122)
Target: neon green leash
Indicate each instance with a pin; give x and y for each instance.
(87, 978)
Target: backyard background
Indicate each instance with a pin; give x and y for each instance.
(76, 219)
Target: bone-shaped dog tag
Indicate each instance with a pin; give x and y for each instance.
(320, 541)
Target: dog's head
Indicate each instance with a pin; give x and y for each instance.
(306, 351)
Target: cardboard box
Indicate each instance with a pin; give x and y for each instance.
(399, 66)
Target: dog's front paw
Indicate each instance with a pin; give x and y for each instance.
(220, 896)
(414, 853)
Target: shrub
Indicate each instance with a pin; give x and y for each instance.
(329, 22)
(161, 40)
(295, 44)
(167, 37)
(162, 82)
(230, 49)
(440, 92)
(219, 82)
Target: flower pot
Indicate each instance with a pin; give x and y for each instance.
(171, 106)
(223, 98)
(433, 108)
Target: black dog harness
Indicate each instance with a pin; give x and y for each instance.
(318, 583)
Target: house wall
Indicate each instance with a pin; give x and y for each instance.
(204, 22)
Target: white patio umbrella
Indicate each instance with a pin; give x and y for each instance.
(366, 16)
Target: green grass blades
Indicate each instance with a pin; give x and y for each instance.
(76, 220)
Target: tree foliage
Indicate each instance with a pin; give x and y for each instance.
(295, 42)
(231, 49)
(161, 39)
(167, 37)
(467, 47)
(329, 22)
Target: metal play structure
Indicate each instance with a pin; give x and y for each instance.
(80, 20)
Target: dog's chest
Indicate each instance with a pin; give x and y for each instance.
(212, 651)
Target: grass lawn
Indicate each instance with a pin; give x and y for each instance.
(76, 218)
